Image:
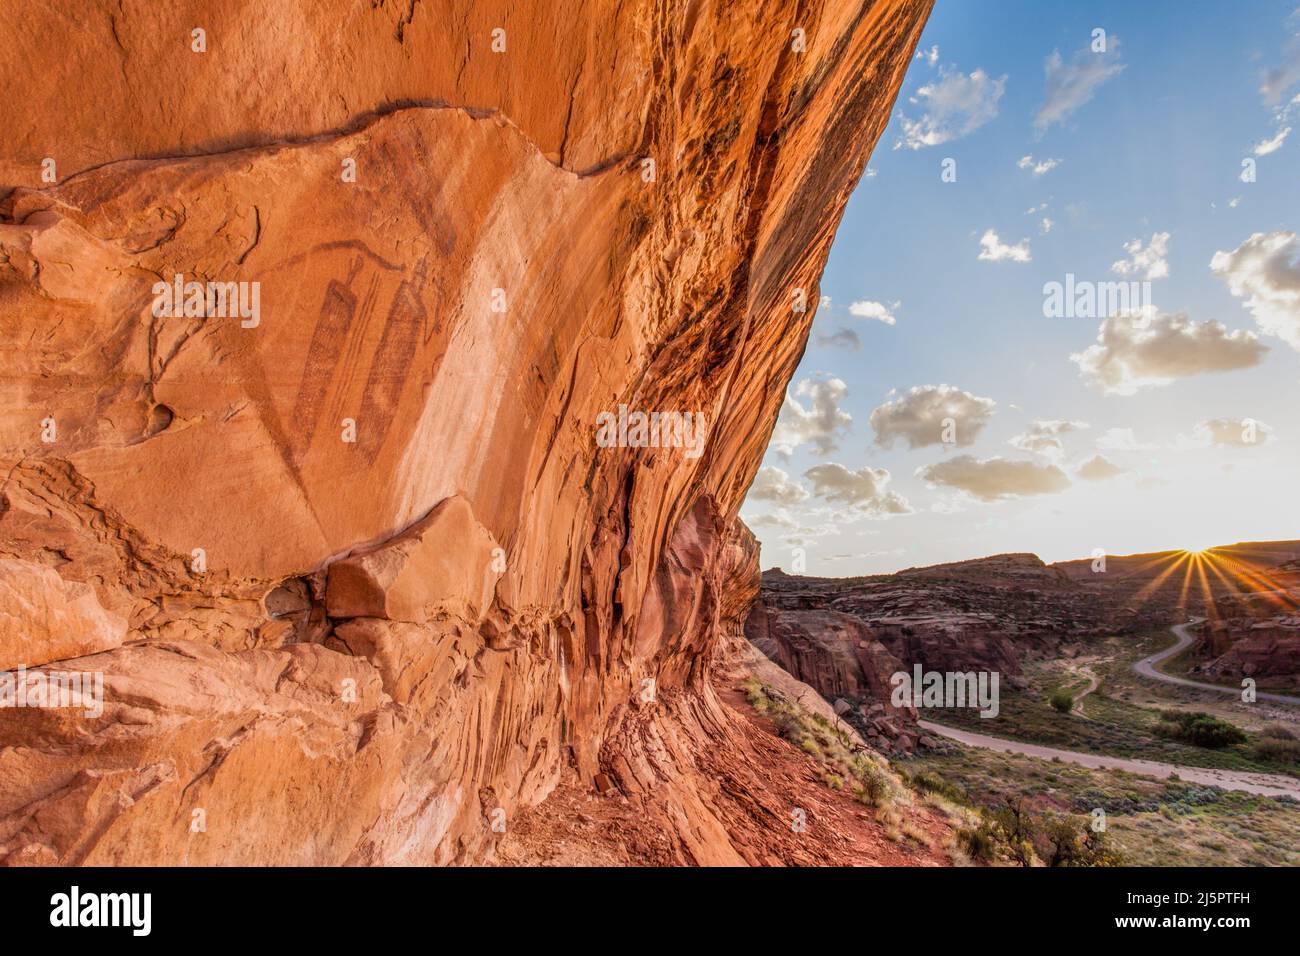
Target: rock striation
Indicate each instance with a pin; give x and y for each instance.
(308, 314)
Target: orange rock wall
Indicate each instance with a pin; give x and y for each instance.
(503, 269)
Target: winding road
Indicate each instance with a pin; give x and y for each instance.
(1147, 668)
(1261, 784)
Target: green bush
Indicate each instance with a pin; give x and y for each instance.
(1065, 841)
(1201, 729)
(1016, 832)
(1014, 827)
(1062, 700)
(872, 787)
(927, 781)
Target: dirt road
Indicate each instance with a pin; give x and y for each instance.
(1147, 668)
(1262, 784)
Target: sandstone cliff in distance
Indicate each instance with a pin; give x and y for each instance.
(357, 575)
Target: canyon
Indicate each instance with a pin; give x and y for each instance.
(1254, 634)
(847, 637)
(358, 578)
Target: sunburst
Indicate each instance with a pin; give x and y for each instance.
(1210, 572)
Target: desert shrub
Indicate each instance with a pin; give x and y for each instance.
(1067, 841)
(1014, 825)
(872, 787)
(1199, 728)
(1278, 732)
(1014, 831)
(927, 781)
(1276, 750)
(979, 843)
(1061, 701)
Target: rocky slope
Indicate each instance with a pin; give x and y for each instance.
(1254, 635)
(361, 582)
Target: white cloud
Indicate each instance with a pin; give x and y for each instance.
(955, 105)
(1099, 468)
(1279, 79)
(1144, 351)
(865, 309)
(796, 530)
(1146, 262)
(776, 519)
(1265, 272)
(819, 424)
(864, 490)
(1046, 225)
(1122, 439)
(1044, 437)
(1233, 432)
(1039, 167)
(930, 56)
(773, 484)
(993, 479)
(921, 416)
(1070, 85)
(993, 249)
(1266, 146)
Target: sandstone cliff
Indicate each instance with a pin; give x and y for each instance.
(358, 577)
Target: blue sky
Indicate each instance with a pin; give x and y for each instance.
(1180, 431)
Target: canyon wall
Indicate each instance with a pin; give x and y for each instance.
(357, 574)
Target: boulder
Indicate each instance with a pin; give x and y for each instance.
(446, 562)
(44, 618)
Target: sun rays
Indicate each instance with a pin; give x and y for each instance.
(1205, 574)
